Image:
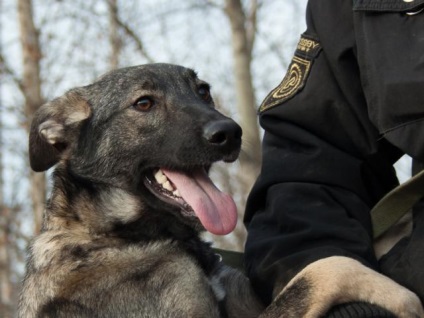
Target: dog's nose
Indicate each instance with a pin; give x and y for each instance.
(222, 133)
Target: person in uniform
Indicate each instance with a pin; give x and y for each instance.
(350, 105)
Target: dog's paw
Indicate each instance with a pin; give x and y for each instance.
(360, 283)
(336, 280)
(406, 304)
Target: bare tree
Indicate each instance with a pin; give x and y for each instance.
(31, 90)
(5, 283)
(243, 30)
(131, 33)
(6, 287)
(6, 299)
(114, 38)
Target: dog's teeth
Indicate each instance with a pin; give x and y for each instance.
(167, 185)
(160, 177)
(176, 193)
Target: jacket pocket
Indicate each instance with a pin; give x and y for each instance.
(389, 44)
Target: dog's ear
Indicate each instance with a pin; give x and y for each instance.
(54, 127)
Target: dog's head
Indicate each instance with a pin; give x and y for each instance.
(150, 130)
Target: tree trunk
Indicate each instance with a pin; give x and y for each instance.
(6, 286)
(7, 301)
(5, 281)
(31, 89)
(243, 31)
(114, 39)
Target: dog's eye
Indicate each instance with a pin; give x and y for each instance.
(144, 104)
(204, 92)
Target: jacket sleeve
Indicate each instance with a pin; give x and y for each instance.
(324, 161)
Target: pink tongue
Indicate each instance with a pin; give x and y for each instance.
(215, 210)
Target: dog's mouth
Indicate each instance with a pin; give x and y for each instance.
(196, 195)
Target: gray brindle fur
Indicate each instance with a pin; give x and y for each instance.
(114, 243)
(110, 246)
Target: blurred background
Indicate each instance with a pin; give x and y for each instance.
(241, 47)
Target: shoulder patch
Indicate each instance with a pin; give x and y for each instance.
(297, 73)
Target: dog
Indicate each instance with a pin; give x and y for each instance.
(130, 196)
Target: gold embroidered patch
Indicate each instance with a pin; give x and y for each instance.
(306, 45)
(293, 81)
(297, 73)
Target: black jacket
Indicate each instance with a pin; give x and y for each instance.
(350, 105)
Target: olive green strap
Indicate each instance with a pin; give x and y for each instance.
(396, 204)
(231, 258)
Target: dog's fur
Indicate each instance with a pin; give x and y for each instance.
(113, 245)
